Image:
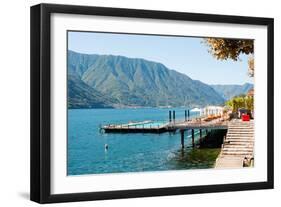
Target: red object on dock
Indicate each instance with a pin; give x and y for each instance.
(245, 117)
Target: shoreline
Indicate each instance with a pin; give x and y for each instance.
(145, 107)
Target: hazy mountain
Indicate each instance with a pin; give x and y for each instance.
(229, 91)
(132, 82)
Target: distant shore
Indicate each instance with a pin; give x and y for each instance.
(141, 107)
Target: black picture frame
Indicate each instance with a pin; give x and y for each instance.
(40, 184)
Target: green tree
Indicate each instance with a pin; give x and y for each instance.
(241, 101)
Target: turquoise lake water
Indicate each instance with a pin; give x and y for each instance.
(135, 152)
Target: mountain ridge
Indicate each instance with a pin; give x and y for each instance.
(118, 81)
(228, 91)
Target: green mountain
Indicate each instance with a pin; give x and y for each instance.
(229, 91)
(80, 95)
(117, 81)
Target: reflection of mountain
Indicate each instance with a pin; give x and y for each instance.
(229, 91)
(116, 81)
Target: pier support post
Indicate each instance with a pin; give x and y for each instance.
(185, 115)
(206, 135)
(174, 116)
(200, 133)
(192, 136)
(170, 116)
(188, 115)
(182, 138)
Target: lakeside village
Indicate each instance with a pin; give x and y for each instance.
(231, 126)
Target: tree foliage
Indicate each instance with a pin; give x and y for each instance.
(224, 49)
(251, 64)
(241, 101)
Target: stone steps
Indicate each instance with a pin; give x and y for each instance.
(238, 145)
(233, 149)
(236, 127)
(241, 126)
(240, 135)
(231, 130)
(247, 145)
(241, 130)
(229, 139)
(246, 154)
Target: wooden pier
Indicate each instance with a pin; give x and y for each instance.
(137, 128)
(145, 127)
(171, 126)
(206, 123)
(237, 148)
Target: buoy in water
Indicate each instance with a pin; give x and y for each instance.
(106, 146)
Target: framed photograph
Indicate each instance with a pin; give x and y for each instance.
(132, 103)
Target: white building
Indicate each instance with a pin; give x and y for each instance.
(212, 110)
(196, 110)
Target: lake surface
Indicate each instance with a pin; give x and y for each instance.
(128, 152)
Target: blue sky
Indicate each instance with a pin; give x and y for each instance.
(188, 55)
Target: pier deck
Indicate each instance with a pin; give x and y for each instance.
(156, 127)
